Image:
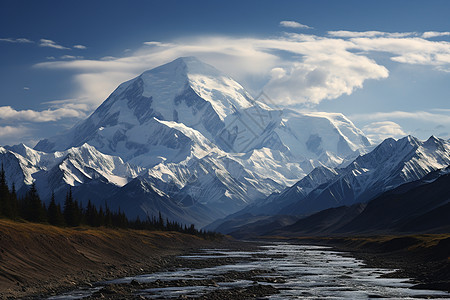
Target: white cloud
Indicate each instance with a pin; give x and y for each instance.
(12, 131)
(409, 50)
(438, 118)
(26, 88)
(322, 74)
(379, 131)
(8, 131)
(294, 24)
(18, 40)
(13, 135)
(74, 104)
(157, 44)
(447, 110)
(369, 34)
(71, 57)
(108, 58)
(432, 34)
(51, 44)
(81, 47)
(293, 68)
(7, 113)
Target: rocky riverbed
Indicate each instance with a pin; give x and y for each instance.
(271, 271)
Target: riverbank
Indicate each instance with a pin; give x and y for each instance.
(423, 258)
(280, 270)
(37, 259)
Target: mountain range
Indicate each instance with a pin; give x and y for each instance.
(420, 206)
(389, 165)
(190, 142)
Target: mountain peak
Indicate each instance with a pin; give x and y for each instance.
(186, 78)
(411, 140)
(184, 66)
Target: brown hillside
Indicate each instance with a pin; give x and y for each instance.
(36, 258)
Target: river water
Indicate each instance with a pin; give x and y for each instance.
(297, 271)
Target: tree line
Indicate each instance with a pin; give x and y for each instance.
(72, 214)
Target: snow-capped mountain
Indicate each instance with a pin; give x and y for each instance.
(153, 114)
(389, 165)
(185, 106)
(57, 170)
(190, 134)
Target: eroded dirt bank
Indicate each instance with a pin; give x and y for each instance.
(38, 259)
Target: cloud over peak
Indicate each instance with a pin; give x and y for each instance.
(379, 131)
(292, 68)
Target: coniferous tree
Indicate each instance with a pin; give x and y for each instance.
(70, 211)
(101, 217)
(160, 222)
(108, 216)
(36, 211)
(78, 212)
(54, 213)
(14, 202)
(31, 208)
(4, 195)
(91, 215)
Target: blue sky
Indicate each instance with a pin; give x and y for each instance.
(384, 64)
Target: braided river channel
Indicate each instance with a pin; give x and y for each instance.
(272, 271)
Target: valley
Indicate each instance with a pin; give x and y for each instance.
(286, 193)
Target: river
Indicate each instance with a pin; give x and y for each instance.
(274, 271)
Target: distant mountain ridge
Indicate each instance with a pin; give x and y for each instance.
(389, 165)
(420, 206)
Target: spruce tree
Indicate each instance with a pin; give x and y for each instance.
(69, 210)
(91, 215)
(36, 212)
(4, 194)
(108, 216)
(160, 222)
(55, 216)
(77, 213)
(14, 202)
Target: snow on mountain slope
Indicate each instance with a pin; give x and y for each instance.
(18, 170)
(185, 91)
(192, 93)
(217, 179)
(389, 165)
(318, 133)
(307, 139)
(277, 201)
(198, 130)
(75, 166)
